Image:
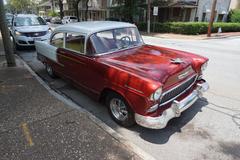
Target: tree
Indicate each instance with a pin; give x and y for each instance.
(235, 15)
(60, 3)
(76, 4)
(52, 4)
(6, 38)
(19, 5)
(128, 9)
(86, 11)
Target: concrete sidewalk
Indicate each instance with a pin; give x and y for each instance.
(36, 125)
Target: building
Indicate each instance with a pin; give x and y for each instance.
(235, 4)
(168, 10)
(97, 9)
(46, 7)
(69, 8)
(204, 10)
(177, 10)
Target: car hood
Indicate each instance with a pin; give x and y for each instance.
(28, 29)
(151, 62)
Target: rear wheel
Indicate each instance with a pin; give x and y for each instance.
(120, 110)
(50, 70)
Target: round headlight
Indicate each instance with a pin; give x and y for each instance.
(157, 94)
(18, 33)
(204, 66)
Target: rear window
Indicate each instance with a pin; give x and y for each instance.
(73, 17)
(75, 42)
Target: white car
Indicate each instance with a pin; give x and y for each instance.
(69, 19)
(28, 28)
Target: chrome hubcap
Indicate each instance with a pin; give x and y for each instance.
(118, 109)
(49, 70)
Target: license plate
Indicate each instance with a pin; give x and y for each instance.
(37, 39)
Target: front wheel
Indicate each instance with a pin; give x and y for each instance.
(120, 110)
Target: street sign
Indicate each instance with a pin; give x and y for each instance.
(155, 11)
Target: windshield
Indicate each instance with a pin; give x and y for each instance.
(116, 39)
(29, 21)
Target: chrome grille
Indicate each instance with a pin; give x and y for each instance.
(173, 93)
(35, 34)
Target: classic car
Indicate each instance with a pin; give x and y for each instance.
(139, 83)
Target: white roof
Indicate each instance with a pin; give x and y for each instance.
(89, 27)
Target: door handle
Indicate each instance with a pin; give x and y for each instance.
(62, 52)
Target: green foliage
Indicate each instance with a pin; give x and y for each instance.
(128, 9)
(235, 16)
(53, 14)
(19, 5)
(190, 28)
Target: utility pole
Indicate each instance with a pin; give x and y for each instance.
(212, 18)
(6, 38)
(148, 16)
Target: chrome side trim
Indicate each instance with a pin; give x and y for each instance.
(133, 89)
(161, 104)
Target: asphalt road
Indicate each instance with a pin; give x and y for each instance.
(210, 129)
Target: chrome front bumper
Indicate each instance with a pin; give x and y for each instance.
(174, 111)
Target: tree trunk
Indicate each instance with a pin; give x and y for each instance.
(52, 4)
(6, 38)
(60, 3)
(86, 12)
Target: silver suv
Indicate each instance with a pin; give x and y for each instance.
(28, 28)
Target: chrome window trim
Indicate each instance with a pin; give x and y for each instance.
(110, 52)
(195, 75)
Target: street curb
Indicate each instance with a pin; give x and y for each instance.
(131, 146)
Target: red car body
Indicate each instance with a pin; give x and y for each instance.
(134, 73)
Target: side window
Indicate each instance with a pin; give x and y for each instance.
(57, 40)
(75, 42)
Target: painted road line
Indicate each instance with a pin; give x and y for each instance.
(27, 134)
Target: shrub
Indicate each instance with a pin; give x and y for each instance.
(53, 14)
(235, 16)
(189, 28)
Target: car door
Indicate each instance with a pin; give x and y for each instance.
(49, 49)
(82, 69)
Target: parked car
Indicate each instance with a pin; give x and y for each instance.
(139, 83)
(28, 28)
(56, 20)
(47, 19)
(118, 19)
(69, 19)
(9, 18)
